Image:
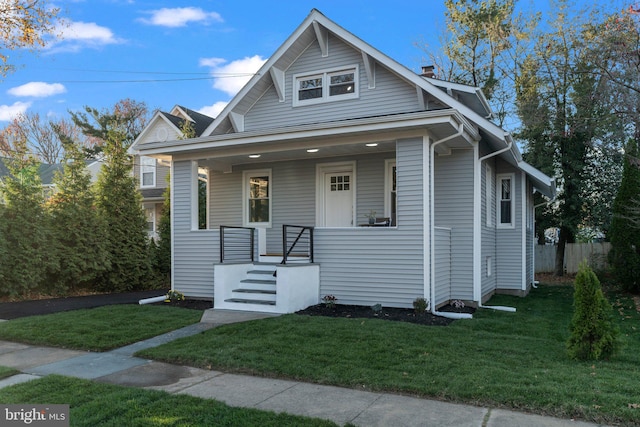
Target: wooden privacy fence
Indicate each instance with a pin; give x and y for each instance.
(574, 254)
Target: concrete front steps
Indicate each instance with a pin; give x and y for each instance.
(266, 287)
(259, 287)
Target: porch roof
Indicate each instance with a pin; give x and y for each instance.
(345, 137)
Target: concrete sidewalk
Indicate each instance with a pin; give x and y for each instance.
(341, 405)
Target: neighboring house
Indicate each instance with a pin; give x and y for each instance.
(329, 131)
(151, 172)
(46, 172)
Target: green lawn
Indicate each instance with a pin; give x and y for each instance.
(98, 329)
(93, 404)
(514, 360)
(7, 372)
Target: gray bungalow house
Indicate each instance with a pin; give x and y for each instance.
(328, 133)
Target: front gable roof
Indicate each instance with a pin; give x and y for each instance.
(468, 103)
(175, 121)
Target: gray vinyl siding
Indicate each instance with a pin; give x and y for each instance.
(454, 209)
(195, 251)
(225, 199)
(509, 240)
(367, 266)
(442, 265)
(391, 94)
(162, 175)
(488, 246)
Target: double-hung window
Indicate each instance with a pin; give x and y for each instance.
(257, 200)
(506, 200)
(147, 172)
(331, 85)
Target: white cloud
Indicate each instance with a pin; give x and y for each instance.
(76, 35)
(9, 112)
(180, 17)
(231, 77)
(213, 110)
(37, 89)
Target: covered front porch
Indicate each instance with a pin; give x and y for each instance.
(330, 177)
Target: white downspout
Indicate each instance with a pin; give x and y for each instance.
(477, 284)
(432, 228)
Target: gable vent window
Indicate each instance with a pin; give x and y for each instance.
(331, 85)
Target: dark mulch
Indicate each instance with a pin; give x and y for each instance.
(386, 313)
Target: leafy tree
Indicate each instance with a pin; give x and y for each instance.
(80, 235)
(625, 229)
(594, 335)
(120, 205)
(24, 24)
(44, 138)
(128, 116)
(563, 109)
(482, 45)
(24, 226)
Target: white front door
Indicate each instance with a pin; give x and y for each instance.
(338, 202)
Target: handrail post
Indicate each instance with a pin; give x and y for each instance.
(222, 244)
(311, 244)
(284, 244)
(253, 234)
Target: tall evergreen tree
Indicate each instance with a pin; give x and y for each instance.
(79, 234)
(625, 229)
(120, 205)
(162, 255)
(24, 226)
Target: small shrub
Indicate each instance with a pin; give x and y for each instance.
(329, 301)
(174, 295)
(458, 304)
(420, 305)
(594, 335)
(377, 308)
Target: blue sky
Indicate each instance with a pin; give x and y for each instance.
(145, 50)
(197, 54)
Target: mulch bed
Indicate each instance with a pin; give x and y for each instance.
(386, 313)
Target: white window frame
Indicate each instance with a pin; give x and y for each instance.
(246, 175)
(326, 75)
(489, 195)
(499, 179)
(389, 164)
(147, 165)
(150, 219)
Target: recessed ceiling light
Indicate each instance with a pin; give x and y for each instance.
(312, 150)
(372, 144)
(254, 156)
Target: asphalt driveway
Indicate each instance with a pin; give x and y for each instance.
(13, 310)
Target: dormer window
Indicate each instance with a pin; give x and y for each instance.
(325, 86)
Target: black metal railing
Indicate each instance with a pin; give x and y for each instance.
(236, 244)
(297, 243)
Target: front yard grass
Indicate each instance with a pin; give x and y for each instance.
(93, 404)
(98, 329)
(6, 372)
(498, 359)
